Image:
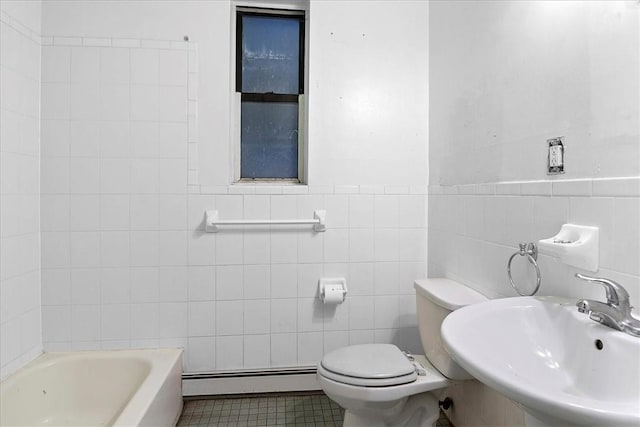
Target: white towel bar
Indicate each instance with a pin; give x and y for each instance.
(212, 221)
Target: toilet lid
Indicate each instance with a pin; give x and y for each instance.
(383, 363)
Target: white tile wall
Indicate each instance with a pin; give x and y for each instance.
(500, 223)
(239, 294)
(487, 142)
(242, 298)
(20, 326)
(125, 228)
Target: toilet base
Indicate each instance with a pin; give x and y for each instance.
(420, 410)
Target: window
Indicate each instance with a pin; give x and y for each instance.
(270, 81)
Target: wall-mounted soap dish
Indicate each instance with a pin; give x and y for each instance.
(575, 245)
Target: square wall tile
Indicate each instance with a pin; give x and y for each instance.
(308, 278)
(256, 281)
(84, 212)
(284, 349)
(115, 285)
(362, 278)
(172, 212)
(85, 64)
(257, 350)
(144, 102)
(229, 318)
(334, 340)
(114, 248)
(115, 176)
(84, 138)
(284, 314)
(115, 105)
(338, 208)
(144, 212)
(145, 321)
(172, 104)
(144, 139)
(116, 322)
(284, 281)
(361, 211)
(85, 323)
(56, 287)
(115, 135)
(172, 248)
(172, 67)
(55, 101)
(202, 283)
(55, 209)
(386, 311)
(173, 319)
(229, 248)
(114, 65)
(54, 137)
(310, 348)
(172, 140)
(56, 323)
(84, 249)
(84, 101)
(144, 248)
(84, 176)
(144, 66)
(54, 176)
(361, 312)
(310, 314)
(256, 316)
(145, 284)
(202, 318)
(56, 64)
(229, 352)
(256, 247)
(85, 286)
(173, 284)
(387, 244)
(229, 282)
(145, 176)
(201, 248)
(201, 354)
(114, 212)
(386, 210)
(336, 245)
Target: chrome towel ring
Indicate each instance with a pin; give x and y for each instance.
(531, 252)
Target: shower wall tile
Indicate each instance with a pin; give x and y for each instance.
(124, 231)
(20, 186)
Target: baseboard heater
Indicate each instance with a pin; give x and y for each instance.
(243, 382)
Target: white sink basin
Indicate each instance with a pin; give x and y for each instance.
(542, 353)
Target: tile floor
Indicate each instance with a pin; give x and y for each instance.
(309, 409)
(286, 409)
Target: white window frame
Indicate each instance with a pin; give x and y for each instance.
(235, 97)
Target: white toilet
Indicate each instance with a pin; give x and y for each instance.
(379, 385)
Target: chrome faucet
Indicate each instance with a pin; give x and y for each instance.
(616, 312)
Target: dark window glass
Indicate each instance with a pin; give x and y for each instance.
(270, 54)
(269, 76)
(269, 140)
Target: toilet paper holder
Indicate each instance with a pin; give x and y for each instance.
(332, 290)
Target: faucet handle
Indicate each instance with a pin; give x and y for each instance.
(616, 294)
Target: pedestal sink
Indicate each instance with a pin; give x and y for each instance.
(562, 367)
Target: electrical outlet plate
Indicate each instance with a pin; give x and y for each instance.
(555, 156)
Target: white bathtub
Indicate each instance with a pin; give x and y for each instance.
(95, 388)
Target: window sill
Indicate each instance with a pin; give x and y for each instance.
(266, 181)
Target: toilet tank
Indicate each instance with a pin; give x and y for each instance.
(435, 299)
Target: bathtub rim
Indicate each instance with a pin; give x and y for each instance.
(164, 363)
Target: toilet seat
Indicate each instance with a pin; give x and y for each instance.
(368, 365)
(431, 380)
